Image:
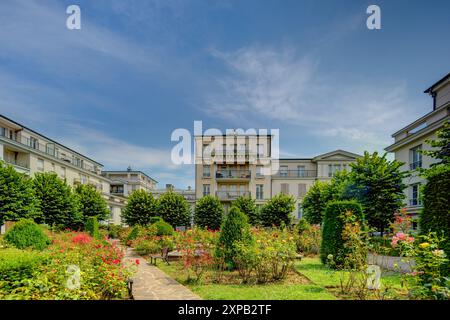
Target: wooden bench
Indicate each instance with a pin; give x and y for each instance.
(163, 256)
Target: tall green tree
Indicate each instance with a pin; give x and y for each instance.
(140, 208)
(174, 209)
(441, 146)
(377, 184)
(91, 202)
(278, 211)
(208, 213)
(56, 202)
(16, 195)
(234, 228)
(248, 207)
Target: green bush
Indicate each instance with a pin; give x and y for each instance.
(147, 247)
(163, 228)
(91, 202)
(114, 231)
(435, 216)
(155, 219)
(174, 209)
(141, 207)
(17, 266)
(278, 211)
(92, 227)
(133, 234)
(234, 229)
(333, 226)
(308, 237)
(27, 234)
(208, 213)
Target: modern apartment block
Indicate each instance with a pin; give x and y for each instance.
(30, 152)
(244, 165)
(124, 182)
(411, 139)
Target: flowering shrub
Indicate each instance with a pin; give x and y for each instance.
(269, 258)
(402, 222)
(308, 238)
(426, 279)
(75, 266)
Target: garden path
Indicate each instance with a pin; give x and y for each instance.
(150, 283)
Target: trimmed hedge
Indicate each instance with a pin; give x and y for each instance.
(435, 216)
(92, 227)
(332, 242)
(27, 234)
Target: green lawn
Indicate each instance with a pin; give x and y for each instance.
(320, 287)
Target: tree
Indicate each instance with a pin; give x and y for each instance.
(315, 202)
(234, 228)
(140, 208)
(441, 146)
(174, 209)
(278, 211)
(378, 185)
(208, 213)
(248, 207)
(56, 202)
(91, 202)
(16, 195)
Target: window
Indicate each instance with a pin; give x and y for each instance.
(260, 150)
(415, 158)
(53, 167)
(332, 169)
(259, 191)
(34, 143)
(299, 211)
(50, 149)
(285, 188)
(63, 172)
(301, 190)
(2, 132)
(284, 171)
(414, 197)
(117, 189)
(206, 171)
(40, 165)
(259, 171)
(206, 190)
(301, 172)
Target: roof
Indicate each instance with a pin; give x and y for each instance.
(126, 171)
(339, 151)
(431, 89)
(31, 130)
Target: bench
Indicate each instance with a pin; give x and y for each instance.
(163, 256)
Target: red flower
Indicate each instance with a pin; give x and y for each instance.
(138, 262)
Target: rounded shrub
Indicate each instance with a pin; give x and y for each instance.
(234, 229)
(208, 213)
(163, 228)
(278, 211)
(27, 234)
(174, 209)
(333, 224)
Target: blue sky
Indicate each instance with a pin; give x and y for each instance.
(116, 89)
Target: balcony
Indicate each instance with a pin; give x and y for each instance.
(231, 195)
(233, 175)
(415, 165)
(296, 174)
(18, 165)
(415, 202)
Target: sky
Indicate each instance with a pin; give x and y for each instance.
(116, 89)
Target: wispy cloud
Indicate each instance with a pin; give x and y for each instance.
(279, 84)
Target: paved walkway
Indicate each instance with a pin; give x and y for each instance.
(150, 283)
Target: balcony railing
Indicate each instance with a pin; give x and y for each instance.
(52, 152)
(17, 163)
(296, 174)
(415, 165)
(231, 195)
(233, 174)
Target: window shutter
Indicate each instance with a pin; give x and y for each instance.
(301, 190)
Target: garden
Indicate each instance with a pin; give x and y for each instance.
(55, 247)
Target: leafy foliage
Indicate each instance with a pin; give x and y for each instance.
(92, 227)
(208, 213)
(333, 242)
(163, 228)
(141, 207)
(174, 209)
(16, 195)
(234, 228)
(441, 146)
(91, 202)
(27, 234)
(308, 237)
(56, 202)
(248, 207)
(378, 185)
(278, 211)
(435, 216)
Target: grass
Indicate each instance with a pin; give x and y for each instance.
(314, 282)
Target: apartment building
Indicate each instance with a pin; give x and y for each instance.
(30, 152)
(124, 182)
(243, 165)
(410, 140)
